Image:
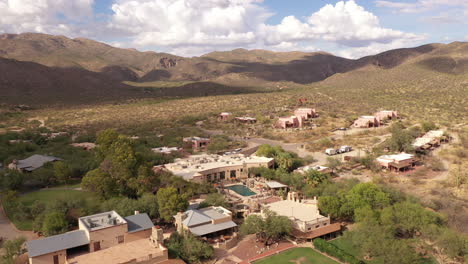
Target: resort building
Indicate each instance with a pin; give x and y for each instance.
(386, 114)
(197, 143)
(104, 238)
(213, 224)
(367, 121)
(32, 163)
(290, 122)
(397, 162)
(305, 216)
(224, 116)
(305, 113)
(430, 140)
(212, 168)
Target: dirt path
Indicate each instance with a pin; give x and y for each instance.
(9, 231)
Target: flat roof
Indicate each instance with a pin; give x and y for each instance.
(189, 167)
(102, 220)
(55, 243)
(296, 210)
(275, 185)
(396, 157)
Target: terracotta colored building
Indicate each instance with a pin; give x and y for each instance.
(225, 116)
(290, 122)
(367, 121)
(197, 143)
(102, 238)
(306, 113)
(382, 115)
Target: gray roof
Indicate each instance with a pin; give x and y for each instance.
(55, 243)
(195, 217)
(211, 228)
(35, 161)
(138, 222)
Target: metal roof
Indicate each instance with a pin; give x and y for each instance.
(56, 243)
(275, 185)
(35, 161)
(138, 222)
(195, 217)
(211, 228)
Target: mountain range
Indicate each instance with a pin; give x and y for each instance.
(40, 69)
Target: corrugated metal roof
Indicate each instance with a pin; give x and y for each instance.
(211, 228)
(56, 243)
(138, 222)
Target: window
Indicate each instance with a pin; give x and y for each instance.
(222, 175)
(233, 174)
(120, 239)
(56, 259)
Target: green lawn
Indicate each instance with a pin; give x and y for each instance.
(299, 256)
(47, 196)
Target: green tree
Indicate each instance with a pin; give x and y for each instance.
(189, 248)
(104, 140)
(12, 249)
(401, 138)
(314, 177)
(428, 126)
(330, 205)
(214, 199)
(99, 182)
(333, 163)
(366, 194)
(170, 202)
(269, 228)
(62, 172)
(54, 223)
(11, 180)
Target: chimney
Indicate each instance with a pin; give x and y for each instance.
(137, 212)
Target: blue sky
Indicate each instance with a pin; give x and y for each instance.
(350, 28)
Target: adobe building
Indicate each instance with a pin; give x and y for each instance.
(304, 214)
(386, 114)
(306, 113)
(106, 238)
(214, 168)
(430, 140)
(366, 122)
(197, 143)
(290, 122)
(224, 116)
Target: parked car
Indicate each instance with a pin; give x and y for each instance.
(331, 151)
(344, 149)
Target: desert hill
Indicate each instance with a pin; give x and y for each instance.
(72, 69)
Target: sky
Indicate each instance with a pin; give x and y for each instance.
(347, 28)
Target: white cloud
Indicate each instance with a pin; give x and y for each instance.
(421, 5)
(45, 16)
(193, 27)
(184, 25)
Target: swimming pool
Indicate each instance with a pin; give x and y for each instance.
(241, 189)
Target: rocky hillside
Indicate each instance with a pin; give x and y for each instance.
(39, 64)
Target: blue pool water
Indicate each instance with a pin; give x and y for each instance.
(241, 189)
